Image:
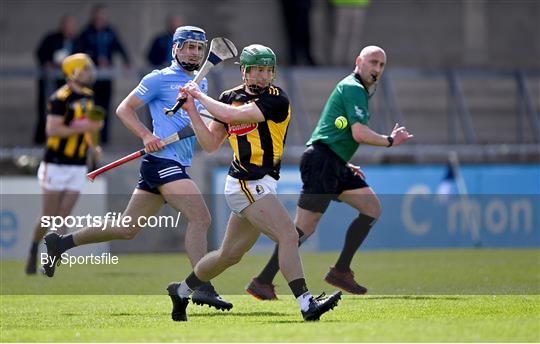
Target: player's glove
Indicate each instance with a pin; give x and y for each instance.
(97, 113)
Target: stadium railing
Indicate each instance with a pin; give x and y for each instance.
(308, 88)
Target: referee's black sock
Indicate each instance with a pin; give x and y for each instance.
(357, 232)
(272, 267)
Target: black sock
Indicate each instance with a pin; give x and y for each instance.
(357, 232)
(34, 248)
(193, 282)
(66, 242)
(272, 267)
(298, 286)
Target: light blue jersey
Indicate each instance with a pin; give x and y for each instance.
(159, 90)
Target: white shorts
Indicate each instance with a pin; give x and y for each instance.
(239, 194)
(56, 177)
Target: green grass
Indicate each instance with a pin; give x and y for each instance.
(394, 318)
(432, 295)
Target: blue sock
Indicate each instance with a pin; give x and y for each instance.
(66, 242)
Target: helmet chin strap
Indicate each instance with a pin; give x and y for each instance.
(255, 89)
(190, 67)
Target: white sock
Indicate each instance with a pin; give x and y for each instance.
(183, 290)
(303, 300)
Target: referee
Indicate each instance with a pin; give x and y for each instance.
(327, 174)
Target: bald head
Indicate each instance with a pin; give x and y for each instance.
(370, 64)
(372, 49)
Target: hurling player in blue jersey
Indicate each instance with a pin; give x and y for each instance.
(163, 170)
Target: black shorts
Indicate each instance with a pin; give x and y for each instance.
(324, 176)
(156, 171)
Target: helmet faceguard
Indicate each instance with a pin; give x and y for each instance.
(258, 78)
(258, 65)
(79, 68)
(189, 45)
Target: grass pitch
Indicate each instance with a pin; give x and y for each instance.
(437, 295)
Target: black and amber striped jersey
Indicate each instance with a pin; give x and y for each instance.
(72, 106)
(258, 147)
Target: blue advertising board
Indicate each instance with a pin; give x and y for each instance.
(502, 208)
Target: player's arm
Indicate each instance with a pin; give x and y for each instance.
(355, 101)
(55, 125)
(210, 137)
(127, 113)
(247, 113)
(363, 134)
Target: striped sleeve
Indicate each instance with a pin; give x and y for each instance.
(148, 88)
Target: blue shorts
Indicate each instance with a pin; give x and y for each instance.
(156, 171)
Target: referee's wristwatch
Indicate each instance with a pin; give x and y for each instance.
(390, 141)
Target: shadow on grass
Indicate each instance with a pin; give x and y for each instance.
(120, 274)
(407, 297)
(121, 314)
(303, 321)
(240, 314)
(263, 314)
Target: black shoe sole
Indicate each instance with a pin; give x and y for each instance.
(332, 302)
(218, 307)
(221, 307)
(52, 250)
(179, 309)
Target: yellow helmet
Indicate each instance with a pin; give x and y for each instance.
(74, 64)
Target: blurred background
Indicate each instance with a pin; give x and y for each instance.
(463, 76)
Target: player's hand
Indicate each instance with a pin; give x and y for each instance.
(192, 89)
(189, 105)
(86, 124)
(356, 170)
(152, 143)
(181, 94)
(96, 125)
(400, 135)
